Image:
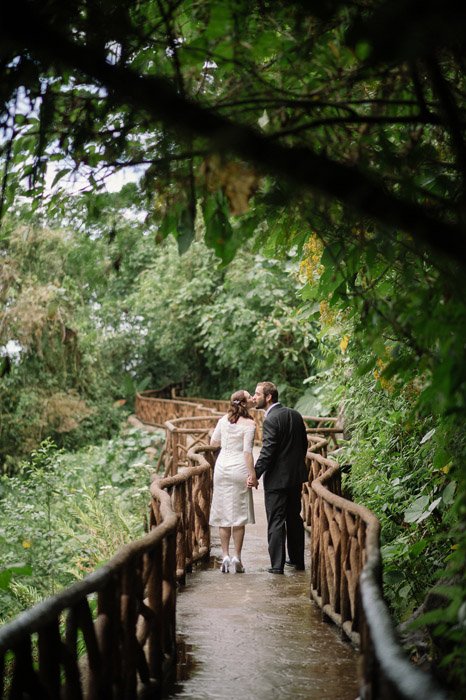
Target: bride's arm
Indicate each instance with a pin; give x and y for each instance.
(249, 460)
(216, 439)
(248, 444)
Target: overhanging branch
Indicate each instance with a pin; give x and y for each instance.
(301, 166)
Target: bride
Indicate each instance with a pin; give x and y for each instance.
(232, 507)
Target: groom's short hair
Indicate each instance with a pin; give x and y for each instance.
(270, 389)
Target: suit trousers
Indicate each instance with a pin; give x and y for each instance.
(284, 525)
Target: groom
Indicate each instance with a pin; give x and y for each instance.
(282, 462)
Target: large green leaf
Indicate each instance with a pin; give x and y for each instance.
(10, 572)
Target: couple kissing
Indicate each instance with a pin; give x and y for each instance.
(281, 463)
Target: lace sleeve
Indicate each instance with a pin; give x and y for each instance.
(248, 438)
(217, 434)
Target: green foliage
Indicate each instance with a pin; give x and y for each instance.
(392, 473)
(384, 362)
(319, 96)
(343, 112)
(100, 312)
(214, 329)
(7, 574)
(65, 514)
(63, 296)
(165, 308)
(253, 330)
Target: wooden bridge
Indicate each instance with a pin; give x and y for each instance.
(113, 634)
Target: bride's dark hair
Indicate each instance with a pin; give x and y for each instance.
(238, 407)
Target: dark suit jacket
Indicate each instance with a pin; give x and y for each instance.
(284, 447)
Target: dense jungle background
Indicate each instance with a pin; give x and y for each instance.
(206, 194)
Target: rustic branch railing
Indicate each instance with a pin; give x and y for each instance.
(317, 443)
(123, 615)
(324, 426)
(157, 411)
(181, 435)
(154, 411)
(219, 405)
(191, 494)
(346, 582)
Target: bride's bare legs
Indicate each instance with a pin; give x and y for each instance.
(225, 535)
(238, 537)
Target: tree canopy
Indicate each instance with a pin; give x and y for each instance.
(341, 120)
(313, 94)
(328, 132)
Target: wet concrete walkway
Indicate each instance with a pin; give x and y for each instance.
(257, 635)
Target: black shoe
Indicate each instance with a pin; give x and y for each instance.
(298, 567)
(275, 571)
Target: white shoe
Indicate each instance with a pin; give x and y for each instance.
(238, 568)
(225, 565)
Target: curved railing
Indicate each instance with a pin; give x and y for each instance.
(346, 582)
(191, 493)
(153, 410)
(181, 435)
(122, 616)
(219, 405)
(112, 635)
(114, 629)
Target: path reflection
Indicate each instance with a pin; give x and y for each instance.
(256, 635)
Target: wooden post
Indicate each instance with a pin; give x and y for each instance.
(175, 452)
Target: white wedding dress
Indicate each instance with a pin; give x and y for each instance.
(232, 500)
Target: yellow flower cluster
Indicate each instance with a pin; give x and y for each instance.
(384, 383)
(310, 266)
(328, 316)
(344, 343)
